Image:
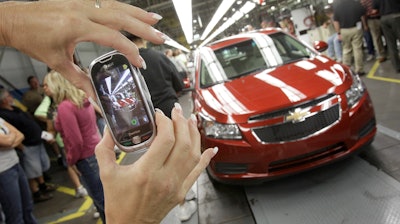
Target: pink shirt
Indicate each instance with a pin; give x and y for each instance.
(78, 129)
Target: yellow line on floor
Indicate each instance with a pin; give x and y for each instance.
(371, 74)
(66, 190)
(86, 204)
(81, 212)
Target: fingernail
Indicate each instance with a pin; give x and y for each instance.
(160, 111)
(193, 118)
(165, 37)
(144, 66)
(155, 16)
(215, 150)
(162, 35)
(104, 129)
(178, 107)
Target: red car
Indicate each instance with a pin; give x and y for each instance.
(275, 106)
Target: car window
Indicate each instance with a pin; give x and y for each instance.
(205, 78)
(289, 48)
(248, 56)
(240, 59)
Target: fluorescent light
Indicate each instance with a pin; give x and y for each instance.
(247, 7)
(238, 15)
(173, 43)
(184, 11)
(222, 9)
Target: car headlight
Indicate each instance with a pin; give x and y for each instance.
(214, 129)
(356, 91)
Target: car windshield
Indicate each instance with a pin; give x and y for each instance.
(249, 56)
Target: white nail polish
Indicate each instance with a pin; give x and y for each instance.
(104, 129)
(156, 16)
(178, 106)
(158, 110)
(215, 150)
(194, 118)
(144, 66)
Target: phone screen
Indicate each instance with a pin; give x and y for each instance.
(122, 102)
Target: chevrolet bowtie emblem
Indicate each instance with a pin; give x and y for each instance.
(298, 115)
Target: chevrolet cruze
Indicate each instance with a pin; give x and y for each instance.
(275, 106)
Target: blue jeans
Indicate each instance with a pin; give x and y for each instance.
(334, 47)
(91, 180)
(369, 42)
(16, 197)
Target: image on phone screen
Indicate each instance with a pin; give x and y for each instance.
(122, 104)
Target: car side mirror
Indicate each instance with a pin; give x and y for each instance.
(320, 46)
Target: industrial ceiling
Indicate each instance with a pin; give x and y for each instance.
(203, 11)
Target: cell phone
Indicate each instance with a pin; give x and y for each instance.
(125, 101)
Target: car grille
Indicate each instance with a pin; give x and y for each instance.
(292, 163)
(291, 130)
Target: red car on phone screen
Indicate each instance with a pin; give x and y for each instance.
(275, 106)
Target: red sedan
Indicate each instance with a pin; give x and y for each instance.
(275, 106)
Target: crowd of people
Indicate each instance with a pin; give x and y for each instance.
(362, 21)
(353, 27)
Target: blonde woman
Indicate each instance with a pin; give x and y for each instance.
(45, 112)
(76, 122)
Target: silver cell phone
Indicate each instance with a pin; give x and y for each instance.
(124, 100)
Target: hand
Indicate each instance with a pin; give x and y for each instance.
(145, 191)
(50, 30)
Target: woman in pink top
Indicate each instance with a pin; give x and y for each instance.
(76, 122)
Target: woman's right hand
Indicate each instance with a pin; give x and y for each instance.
(145, 191)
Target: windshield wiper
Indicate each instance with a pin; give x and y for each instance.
(296, 59)
(250, 72)
(216, 83)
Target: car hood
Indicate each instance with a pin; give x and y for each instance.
(277, 88)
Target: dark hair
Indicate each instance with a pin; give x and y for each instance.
(30, 78)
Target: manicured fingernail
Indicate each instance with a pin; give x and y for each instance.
(155, 16)
(162, 35)
(215, 150)
(165, 37)
(143, 63)
(178, 107)
(104, 129)
(160, 111)
(193, 118)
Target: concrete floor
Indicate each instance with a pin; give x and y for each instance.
(229, 204)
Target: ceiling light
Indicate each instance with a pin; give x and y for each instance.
(247, 7)
(222, 9)
(199, 19)
(172, 43)
(184, 11)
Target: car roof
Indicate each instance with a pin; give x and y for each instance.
(241, 37)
